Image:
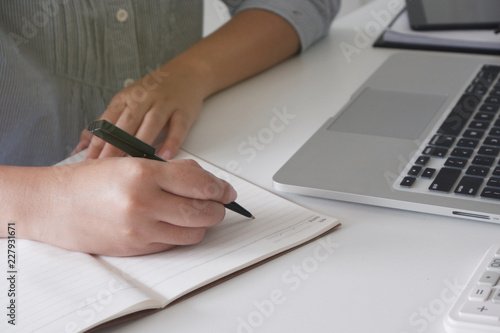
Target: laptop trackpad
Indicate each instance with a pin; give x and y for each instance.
(389, 113)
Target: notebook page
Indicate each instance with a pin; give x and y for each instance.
(56, 290)
(235, 243)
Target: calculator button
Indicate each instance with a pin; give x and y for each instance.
(496, 297)
(489, 278)
(481, 310)
(480, 294)
(494, 265)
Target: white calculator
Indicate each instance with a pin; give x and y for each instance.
(477, 309)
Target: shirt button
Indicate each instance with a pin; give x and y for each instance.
(128, 82)
(121, 15)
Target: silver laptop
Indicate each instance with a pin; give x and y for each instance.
(422, 134)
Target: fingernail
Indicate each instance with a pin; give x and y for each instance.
(77, 149)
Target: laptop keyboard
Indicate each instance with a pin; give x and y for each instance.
(462, 156)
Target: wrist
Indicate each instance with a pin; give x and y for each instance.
(199, 72)
(26, 194)
(17, 189)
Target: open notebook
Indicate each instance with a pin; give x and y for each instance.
(64, 291)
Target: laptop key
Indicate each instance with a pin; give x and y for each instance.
(495, 92)
(428, 173)
(445, 179)
(483, 160)
(467, 143)
(435, 151)
(492, 141)
(495, 131)
(415, 170)
(473, 134)
(462, 152)
(459, 115)
(479, 125)
(489, 108)
(493, 182)
(445, 141)
(469, 185)
(492, 100)
(484, 116)
(490, 192)
(488, 74)
(488, 151)
(455, 162)
(422, 160)
(407, 181)
(475, 170)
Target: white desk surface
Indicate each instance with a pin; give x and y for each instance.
(392, 272)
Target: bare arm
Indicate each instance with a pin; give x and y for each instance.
(254, 40)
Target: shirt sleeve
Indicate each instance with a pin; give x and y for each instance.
(310, 18)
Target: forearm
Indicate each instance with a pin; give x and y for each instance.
(252, 41)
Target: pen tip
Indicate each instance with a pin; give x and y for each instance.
(252, 217)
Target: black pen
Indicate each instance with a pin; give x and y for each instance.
(138, 148)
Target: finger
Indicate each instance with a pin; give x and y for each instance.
(129, 121)
(95, 147)
(161, 236)
(84, 142)
(152, 124)
(121, 111)
(186, 212)
(187, 162)
(166, 233)
(148, 249)
(111, 114)
(193, 182)
(179, 125)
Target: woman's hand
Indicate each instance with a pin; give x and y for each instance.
(117, 206)
(169, 98)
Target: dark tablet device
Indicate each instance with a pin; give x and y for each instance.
(453, 14)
